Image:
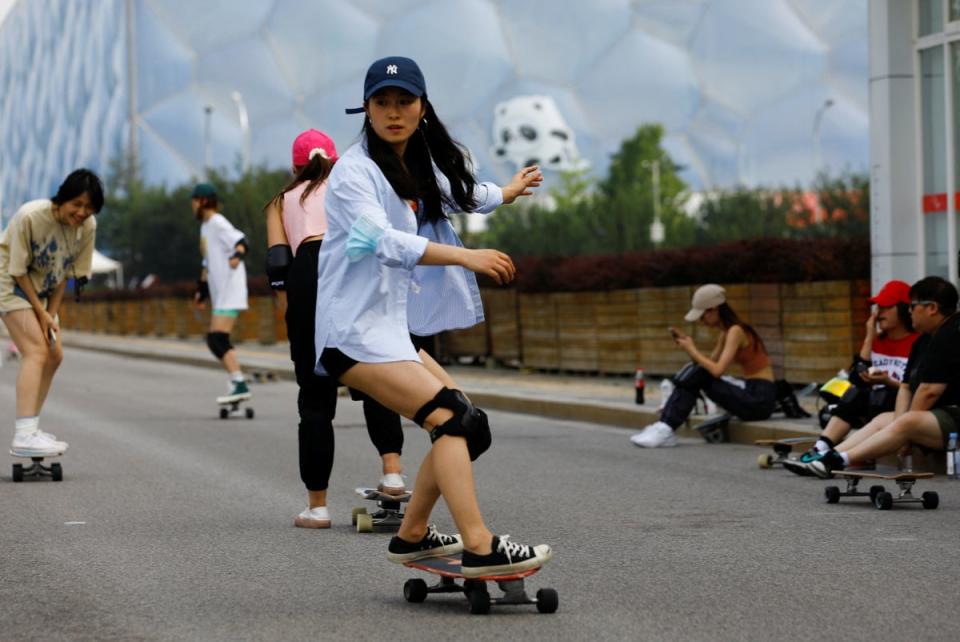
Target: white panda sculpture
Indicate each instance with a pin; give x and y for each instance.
(529, 130)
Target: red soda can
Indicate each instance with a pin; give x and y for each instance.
(640, 385)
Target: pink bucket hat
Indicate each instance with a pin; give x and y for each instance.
(310, 143)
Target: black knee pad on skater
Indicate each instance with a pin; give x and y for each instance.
(692, 377)
(468, 421)
(219, 343)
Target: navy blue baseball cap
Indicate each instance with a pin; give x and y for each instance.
(392, 71)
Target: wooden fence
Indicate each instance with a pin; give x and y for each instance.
(811, 329)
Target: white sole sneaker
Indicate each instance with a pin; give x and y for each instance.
(542, 554)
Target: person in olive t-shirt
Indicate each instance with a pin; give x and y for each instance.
(46, 243)
(928, 404)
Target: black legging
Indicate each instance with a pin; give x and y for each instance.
(317, 399)
(753, 401)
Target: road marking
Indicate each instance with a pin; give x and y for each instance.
(73, 523)
(898, 539)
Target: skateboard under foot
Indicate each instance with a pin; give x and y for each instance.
(781, 449)
(385, 520)
(36, 469)
(878, 495)
(232, 408)
(475, 590)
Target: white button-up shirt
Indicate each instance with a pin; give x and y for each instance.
(447, 297)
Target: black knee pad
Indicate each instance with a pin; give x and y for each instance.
(219, 343)
(692, 377)
(468, 421)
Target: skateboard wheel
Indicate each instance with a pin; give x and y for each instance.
(357, 511)
(56, 472)
(832, 493)
(874, 491)
(415, 590)
(930, 500)
(479, 601)
(249, 413)
(364, 523)
(883, 501)
(224, 413)
(18, 472)
(764, 461)
(547, 600)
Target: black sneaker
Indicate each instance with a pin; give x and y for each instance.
(433, 544)
(506, 558)
(824, 467)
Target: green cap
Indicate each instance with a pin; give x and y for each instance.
(204, 190)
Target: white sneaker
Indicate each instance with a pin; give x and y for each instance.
(656, 435)
(392, 484)
(51, 437)
(313, 518)
(36, 445)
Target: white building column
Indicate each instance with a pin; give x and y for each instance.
(895, 217)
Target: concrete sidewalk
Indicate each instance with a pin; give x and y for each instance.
(604, 400)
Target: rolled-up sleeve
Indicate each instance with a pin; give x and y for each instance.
(488, 197)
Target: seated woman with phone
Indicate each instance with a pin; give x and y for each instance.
(750, 398)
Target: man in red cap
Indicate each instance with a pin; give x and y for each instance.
(927, 409)
(875, 375)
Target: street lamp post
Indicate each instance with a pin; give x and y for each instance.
(817, 120)
(656, 228)
(207, 151)
(244, 128)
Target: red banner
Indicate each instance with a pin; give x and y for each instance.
(933, 203)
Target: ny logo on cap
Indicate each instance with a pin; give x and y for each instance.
(392, 70)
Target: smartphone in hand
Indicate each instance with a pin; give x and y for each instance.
(674, 333)
(53, 336)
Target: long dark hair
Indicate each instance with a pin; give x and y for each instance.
(414, 178)
(316, 171)
(729, 319)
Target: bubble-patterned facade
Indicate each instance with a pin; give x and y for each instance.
(736, 83)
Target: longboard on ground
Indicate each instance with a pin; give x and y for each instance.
(232, 408)
(878, 494)
(387, 518)
(781, 449)
(36, 468)
(475, 589)
(715, 429)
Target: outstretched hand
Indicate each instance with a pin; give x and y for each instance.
(493, 263)
(522, 183)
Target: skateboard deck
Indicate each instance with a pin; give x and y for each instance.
(878, 495)
(385, 520)
(36, 469)
(781, 449)
(230, 408)
(714, 430)
(475, 589)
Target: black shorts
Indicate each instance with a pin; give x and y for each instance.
(335, 362)
(948, 418)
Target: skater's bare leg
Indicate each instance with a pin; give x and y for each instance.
(223, 323)
(405, 387)
(38, 361)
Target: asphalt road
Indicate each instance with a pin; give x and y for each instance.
(173, 524)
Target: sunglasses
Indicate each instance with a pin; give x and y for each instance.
(914, 304)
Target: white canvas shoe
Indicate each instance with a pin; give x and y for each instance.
(392, 484)
(313, 518)
(656, 435)
(36, 445)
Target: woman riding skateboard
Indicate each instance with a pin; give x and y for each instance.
(365, 271)
(46, 243)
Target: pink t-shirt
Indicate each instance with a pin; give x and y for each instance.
(304, 221)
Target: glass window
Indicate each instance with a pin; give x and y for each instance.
(930, 17)
(933, 119)
(954, 10)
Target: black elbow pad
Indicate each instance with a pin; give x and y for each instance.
(279, 260)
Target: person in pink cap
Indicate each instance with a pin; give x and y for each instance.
(296, 225)
(876, 372)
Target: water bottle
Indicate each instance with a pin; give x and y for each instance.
(952, 456)
(666, 389)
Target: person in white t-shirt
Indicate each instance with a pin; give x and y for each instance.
(224, 281)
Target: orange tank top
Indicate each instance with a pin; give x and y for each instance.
(752, 358)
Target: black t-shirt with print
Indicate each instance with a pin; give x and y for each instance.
(941, 361)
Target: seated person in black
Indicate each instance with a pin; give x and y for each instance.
(928, 403)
